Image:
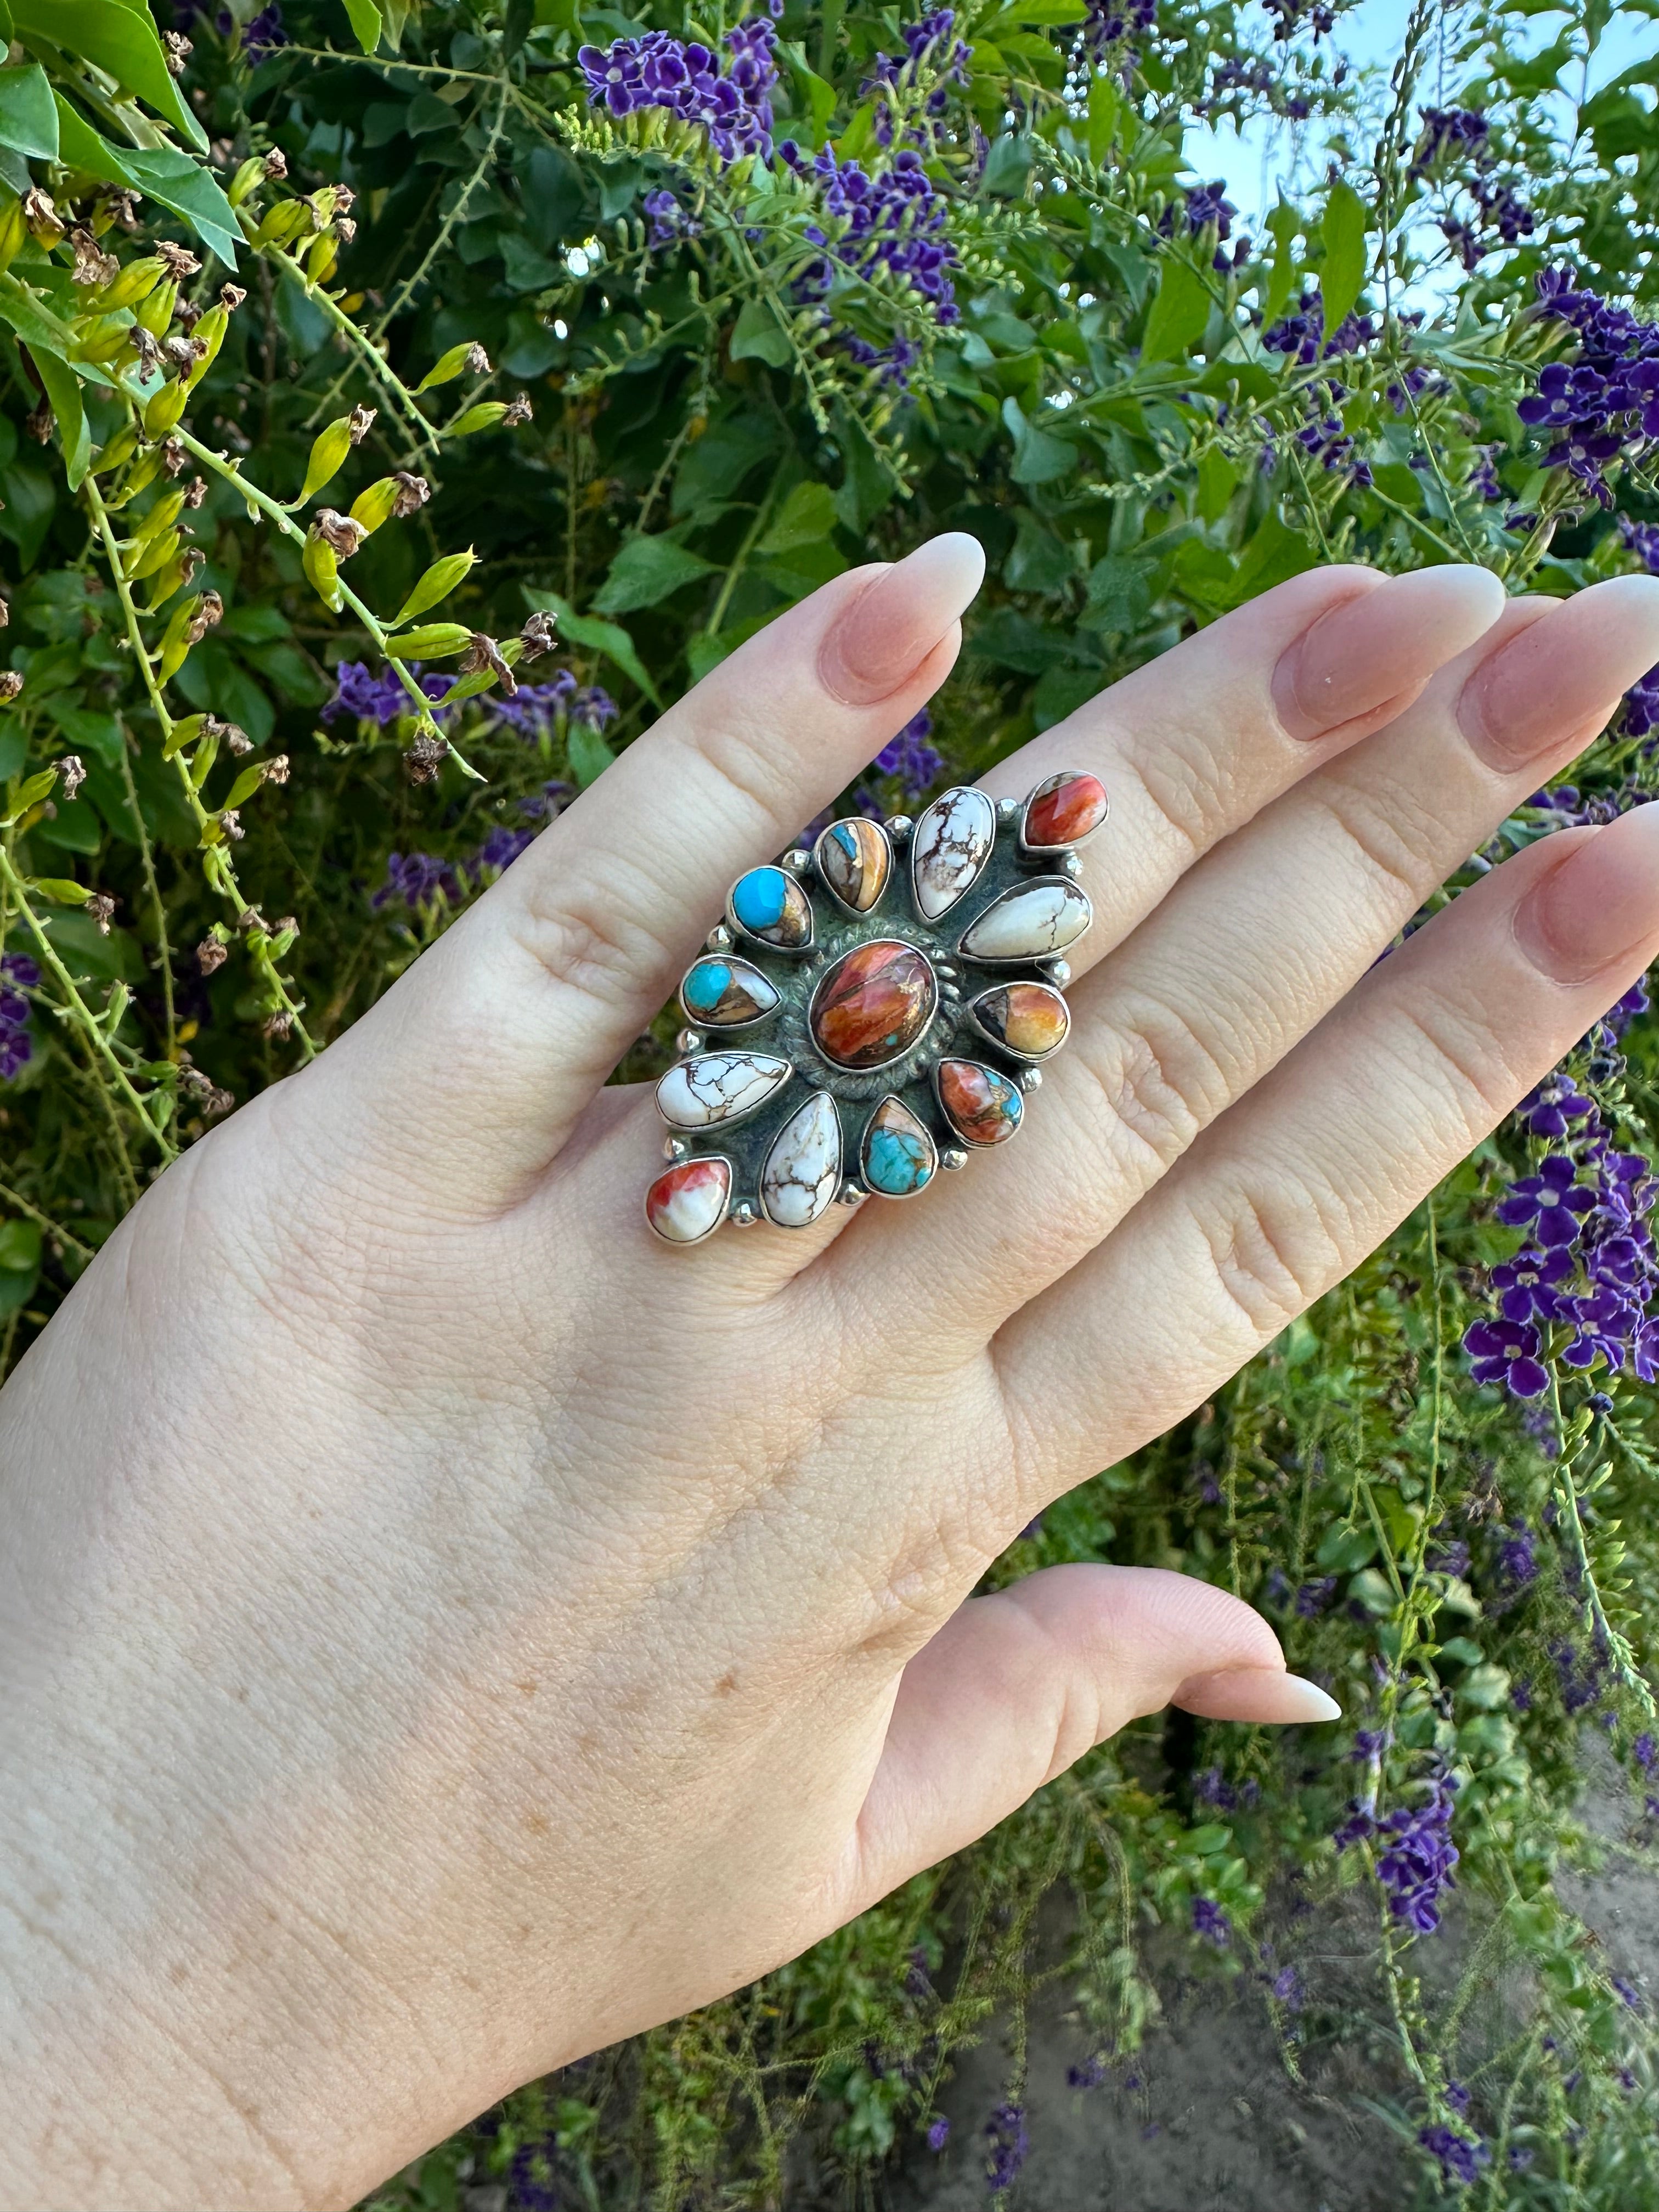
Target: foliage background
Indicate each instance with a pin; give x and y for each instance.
(744, 373)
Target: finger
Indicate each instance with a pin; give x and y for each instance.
(1293, 1189)
(521, 1012)
(1016, 1687)
(1255, 945)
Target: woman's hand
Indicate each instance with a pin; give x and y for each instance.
(445, 1630)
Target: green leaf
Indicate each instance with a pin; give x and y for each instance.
(189, 190)
(647, 571)
(806, 518)
(1283, 224)
(600, 636)
(759, 336)
(19, 1245)
(28, 113)
(1176, 319)
(587, 754)
(121, 39)
(1343, 232)
(1038, 459)
(1217, 479)
(1274, 553)
(62, 890)
(366, 23)
(64, 390)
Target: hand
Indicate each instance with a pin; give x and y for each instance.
(445, 1630)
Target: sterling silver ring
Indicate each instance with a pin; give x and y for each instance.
(885, 1036)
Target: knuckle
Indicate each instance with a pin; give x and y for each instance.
(591, 937)
(1189, 796)
(1391, 835)
(1270, 1259)
(1159, 1081)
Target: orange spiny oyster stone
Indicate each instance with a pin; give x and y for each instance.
(982, 1107)
(1028, 1018)
(874, 1005)
(687, 1203)
(1063, 810)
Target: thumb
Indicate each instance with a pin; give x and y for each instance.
(1017, 1687)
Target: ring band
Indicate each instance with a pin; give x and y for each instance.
(873, 1010)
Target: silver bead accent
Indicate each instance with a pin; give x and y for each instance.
(797, 862)
(742, 1215)
(1058, 972)
(944, 971)
(851, 1193)
(953, 1157)
(674, 1148)
(1010, 810)
(688, 1041)
(898, 827)
(718, 938)
(1030, 1079)
(1071, 866)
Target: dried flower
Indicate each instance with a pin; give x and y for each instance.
(174, 459)
(518, 410)
(39, 423)
(231, 297)
(71, 773)
(143, 343)
(182, 354)
(338, 531)
(360, 423)
(235, 740)
(425, 757)
(276, 164)
(345, 228)
(42, 217)
(122, 206)
(101, 907)
(412, 494)
(178, 260)
(537, 635)
(230, 821)
(176, 51)
(11, 683)
(187, 314)
(211, 954)
(195, 492)
(277, 772)
(92, 264)
(482, 653)
(477, 361)
(279, 1024)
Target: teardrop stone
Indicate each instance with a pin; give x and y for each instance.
(1030, 1019)
(950, 844)
(982, 1107)
(898, 1156)
(1030, 922)
(770, 904)
(718, 1087)
(687, 1202)
(873, 1004)
(1064, 811)
(726, 993)
(802, 1172)
(855, 859)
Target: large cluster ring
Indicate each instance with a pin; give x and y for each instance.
(855, 1023)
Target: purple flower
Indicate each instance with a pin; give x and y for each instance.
(939, 2133)
(1212, 1923)
(1461, 2158)
(1313, 1597)
(1642, 540)
(1506, 1352)
(1286, 1987)
(910, 756)
(1626, 1992)
(1645, 1751)
(1460, 130)
(1530, 1284)
(892, 223)
(1554, 1199)
(1415, 1865)
(16, 1045)
(1090, 2076)
(379, 698)
(1516, 1564)
(1008, 2142)
(537, 708)
(416, 878)
(1550, 1109)
(659, 71)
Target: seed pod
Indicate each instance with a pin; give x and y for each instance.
(12, 231)
(470, 357)
(163, 408)
(375, 506)
(156, 312)
(321, 258)
(99, 338)
(283, 223)
(439, 581)
(152, 554)
(434, 641)
(162, 516)
(135, 283)
(209, 336)
(327, 457)
(485, 416)
(248, 174)
(322, 566)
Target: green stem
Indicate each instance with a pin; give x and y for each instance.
(451, 223)
(147, 857)
(751, 538)
(53, 1228)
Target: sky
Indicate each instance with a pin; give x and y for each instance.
(1370, 33)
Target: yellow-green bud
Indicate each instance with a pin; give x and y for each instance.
(120, 447)
(327, 457)
(434, 641)
(156, 311)
(12, 231)
(210, 332)
(322, 566)
(249, 174)
(470, 357)
(485, 416)
(151, 554)
(163, 408)
(285, 221)
(439, 581)
(135, 282)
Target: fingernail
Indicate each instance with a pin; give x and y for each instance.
(1385, 641)
(1265, 1694)
(1598, 904)
(1542, 687)
(890, 629)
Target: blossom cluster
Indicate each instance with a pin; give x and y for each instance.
(893, 221)
(731, 101)
(1461, 136)
(1588, 1263)
(928, 45)
(1604, 403)
(1415, 1854)
(18, 974)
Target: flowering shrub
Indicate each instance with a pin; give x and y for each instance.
(303, 649)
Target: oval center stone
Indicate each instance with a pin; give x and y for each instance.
(874, 1005)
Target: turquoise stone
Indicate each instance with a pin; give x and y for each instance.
(899, 1156)
(726, 993)
(770, 905)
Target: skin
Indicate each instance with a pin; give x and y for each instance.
(445, 1630)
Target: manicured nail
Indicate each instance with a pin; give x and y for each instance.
(889, 630)
(1542, 687)
(1600, 903)
(1256, 1693)
(1386, 641)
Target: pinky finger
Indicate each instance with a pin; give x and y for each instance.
(1307, 1173)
